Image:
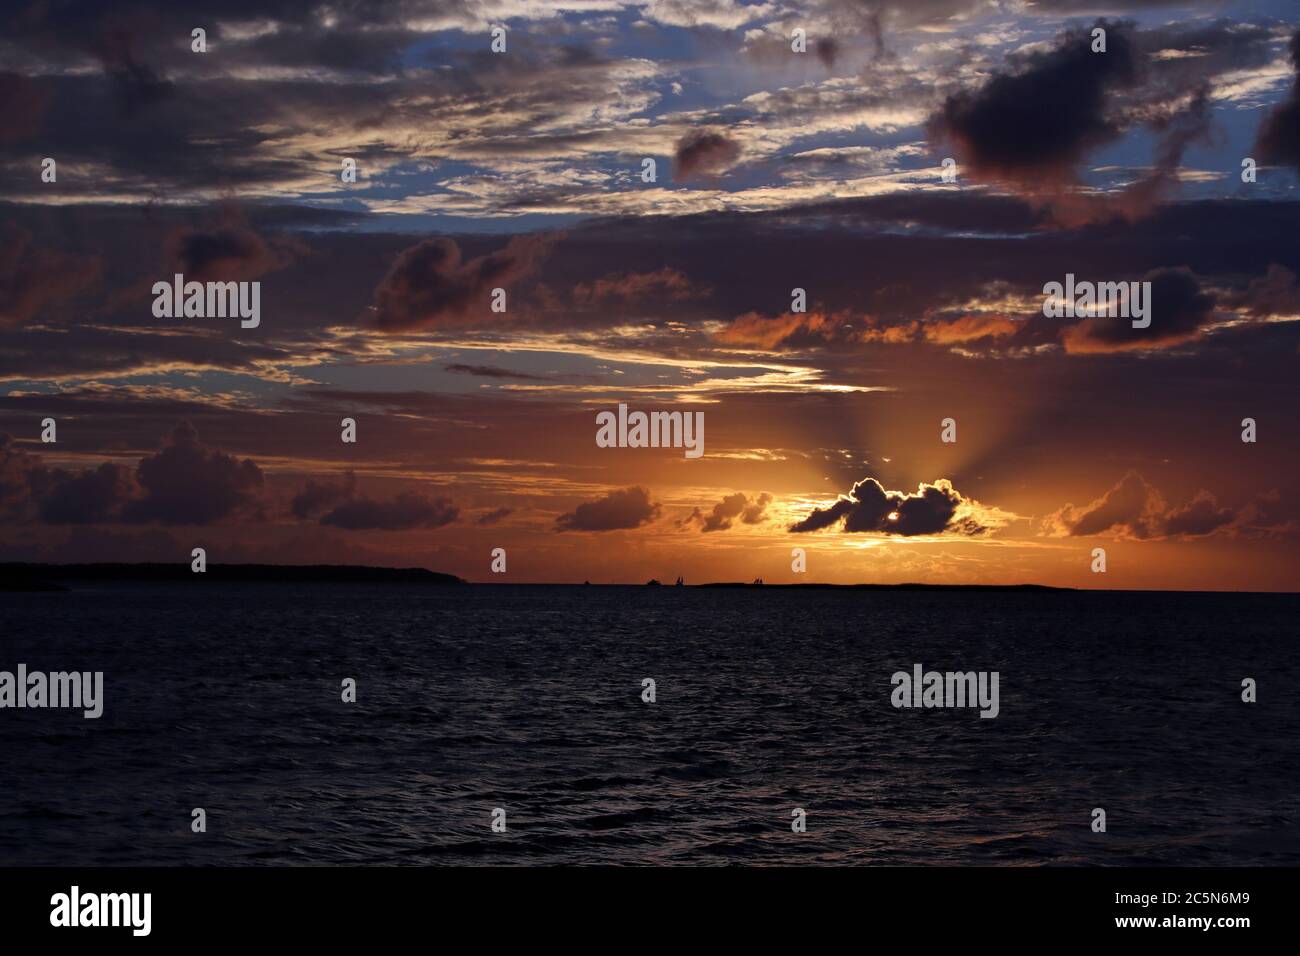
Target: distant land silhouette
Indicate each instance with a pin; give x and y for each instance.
(16, 576)
(38, 577)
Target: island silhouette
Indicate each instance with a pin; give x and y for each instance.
(15, 576)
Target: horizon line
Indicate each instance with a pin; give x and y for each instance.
(375, 574)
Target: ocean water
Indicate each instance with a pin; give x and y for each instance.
(528, 698)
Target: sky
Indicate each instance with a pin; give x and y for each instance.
(617, 204)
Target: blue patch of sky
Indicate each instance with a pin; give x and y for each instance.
(712, 74)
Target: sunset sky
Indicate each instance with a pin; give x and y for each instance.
(775, 170)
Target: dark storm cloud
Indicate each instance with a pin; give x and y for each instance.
(94, 496)
(188, 482)
(1040, 120)
(1033, 125)
(184, 483)
(34, 278)
(1179, 311)
(1133, 508)
(429, 286)
(1278, 141)
(622, 509)
(868, 507)
(229, 251)
(828, 51)
(704, 153)
(403, 513)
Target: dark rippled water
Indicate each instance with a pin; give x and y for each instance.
(227, 697)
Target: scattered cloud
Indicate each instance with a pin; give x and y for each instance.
(1278, 141)
(494, 516)
(229, 251)
(492, 371)
(736, 507)
(869, 508)
(619, 510)
(1133, 508)
(1180, 311)
(704, 153)
(188, 482)
(402, 513)
(316, 496)
(429, 286)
